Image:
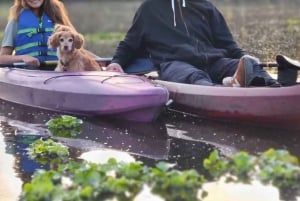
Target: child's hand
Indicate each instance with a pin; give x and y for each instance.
(32, 61)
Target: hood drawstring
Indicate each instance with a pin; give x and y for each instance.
(173, 8)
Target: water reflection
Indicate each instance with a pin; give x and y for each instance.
(148, 143)
(231, 137)
(178, 139)
(10, 183)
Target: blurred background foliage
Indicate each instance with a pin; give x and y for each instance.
(264, 28)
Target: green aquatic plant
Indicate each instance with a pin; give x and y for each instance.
(176, 185)
(242, 165)
(84, 181)
(124, 181)
(279, 168)
(276, 167)
(65, 126)
(45, 151)
(113, 180)
(215, 164)
(45, 185)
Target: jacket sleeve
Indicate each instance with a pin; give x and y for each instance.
(129, 48)
(223, 37)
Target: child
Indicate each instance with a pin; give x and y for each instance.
(30, 23)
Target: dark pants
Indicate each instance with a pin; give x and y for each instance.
(178, 71)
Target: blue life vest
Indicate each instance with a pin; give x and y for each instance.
(32, 36)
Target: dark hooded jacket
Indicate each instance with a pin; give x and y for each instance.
(196, 34)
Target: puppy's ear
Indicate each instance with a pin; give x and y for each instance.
(78, 40)
(60, 27)
(53, 41)
(57, 27)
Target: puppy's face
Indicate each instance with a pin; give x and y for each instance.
(66, 41)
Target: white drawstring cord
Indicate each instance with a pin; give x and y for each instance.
(173, 8)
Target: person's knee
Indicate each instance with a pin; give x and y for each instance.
(177, 71)
(200, 78)
(204, 82)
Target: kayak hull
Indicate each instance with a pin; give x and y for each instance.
(268, 107)
(84, 93)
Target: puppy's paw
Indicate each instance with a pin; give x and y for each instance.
(58, 69)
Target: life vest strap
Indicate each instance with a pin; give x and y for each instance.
(31, 31)
(29, 45)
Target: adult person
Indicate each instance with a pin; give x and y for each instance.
(30, 23)
(189, 42)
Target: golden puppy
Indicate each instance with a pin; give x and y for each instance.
(70, 52)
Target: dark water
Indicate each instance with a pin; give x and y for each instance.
(180, 139)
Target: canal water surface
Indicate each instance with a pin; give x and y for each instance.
(177, 138)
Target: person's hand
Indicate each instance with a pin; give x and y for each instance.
(115, 68)
(32, 61)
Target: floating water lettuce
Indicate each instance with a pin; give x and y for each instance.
(124, 181)
(276, 167)
(47, 151)
(65, 126)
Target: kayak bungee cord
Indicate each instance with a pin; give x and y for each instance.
(81, 75)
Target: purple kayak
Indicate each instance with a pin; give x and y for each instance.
(94, 93)
(267, 107)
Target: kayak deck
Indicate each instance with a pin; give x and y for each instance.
(91, 93)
